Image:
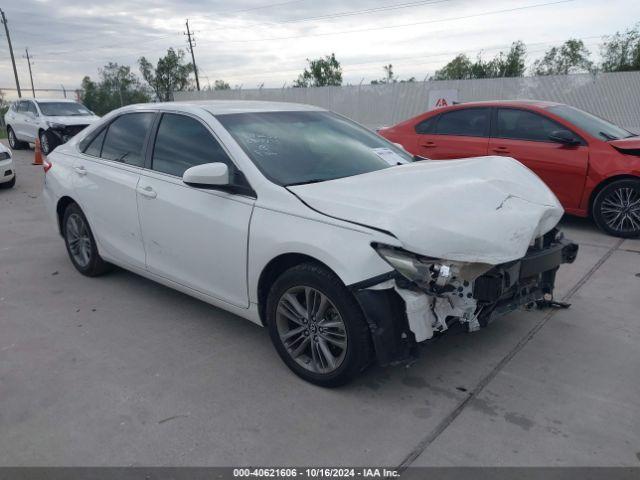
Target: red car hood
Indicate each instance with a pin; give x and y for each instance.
(632, 143)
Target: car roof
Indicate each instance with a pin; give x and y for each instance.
(222, 107)
(51, 100)
(509, 103)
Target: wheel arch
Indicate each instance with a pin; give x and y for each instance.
(61, 206)
(604, 183)
(274, 269)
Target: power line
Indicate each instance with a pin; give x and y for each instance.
(26, 50)
(13, 60)
(191, 43)
(494, 12)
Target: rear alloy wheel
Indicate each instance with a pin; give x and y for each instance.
(80, 243)
(317, 326)
(616, 208)
(14, 143)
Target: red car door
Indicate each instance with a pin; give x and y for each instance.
(524, 135)
(456, 133)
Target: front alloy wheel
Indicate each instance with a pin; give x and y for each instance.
(617, 208)
(311, 329)
(45, 144)
(317, 326)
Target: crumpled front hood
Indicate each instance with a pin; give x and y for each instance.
(73, 119)
(631, 143)
(485, 209)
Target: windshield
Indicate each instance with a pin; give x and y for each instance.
(305, 147)
(591, 124)
(63, 109)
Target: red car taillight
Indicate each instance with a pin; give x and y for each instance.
(46, 164)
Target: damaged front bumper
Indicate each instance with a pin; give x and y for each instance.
(403, 313)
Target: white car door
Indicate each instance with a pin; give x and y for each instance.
(18, 123)
(106, 178)
(195, 237)
(31, 122)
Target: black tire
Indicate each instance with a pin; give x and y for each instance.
(625, 223)
(10, 184)
(357, 355)
(95, 265)
(14, 143)
(48, 142)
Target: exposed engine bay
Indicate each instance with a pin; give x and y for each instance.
(435, 293)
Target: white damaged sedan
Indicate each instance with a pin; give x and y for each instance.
(7, 168)
(300, 220)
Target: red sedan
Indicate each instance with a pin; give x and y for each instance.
(592, 165)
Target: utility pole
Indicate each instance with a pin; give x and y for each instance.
(13, 61)
(33, 90)
(192, 43)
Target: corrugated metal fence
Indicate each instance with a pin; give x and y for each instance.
(615, 96)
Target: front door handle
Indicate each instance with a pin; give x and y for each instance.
(81, 171)
(428, 144)
(147, 191)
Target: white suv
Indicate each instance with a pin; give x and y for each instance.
(300, 220)
(54, 121)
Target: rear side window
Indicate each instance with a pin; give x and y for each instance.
(95, 147)
(469, 122)
(23, 107)
(183, 142)
(524, 125)
(427, 126)
(125, 137)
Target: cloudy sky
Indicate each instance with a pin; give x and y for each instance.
(250, 42)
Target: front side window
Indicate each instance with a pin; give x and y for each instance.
(125, 137)
(524, 125)
(309, 146)
(468, 122)
(427, 126)
(183, 142)
(595, 126)
(63, 109)
(31, 108)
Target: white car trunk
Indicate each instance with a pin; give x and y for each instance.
(485, 209)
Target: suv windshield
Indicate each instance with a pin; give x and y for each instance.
(591, 124)
(292, 148)
(63, 109)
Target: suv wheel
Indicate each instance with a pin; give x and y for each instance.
(80, 243)
(317, 326)
(47, 142)
(14, 143)
(616, 208)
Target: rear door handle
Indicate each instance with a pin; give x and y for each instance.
(501, 150)
(428, 144)
(81, 171)
(147, 191)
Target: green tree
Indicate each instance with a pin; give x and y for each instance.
(389, 76)
(322, 72)
(170, 74)
(117, 86)
(510, 64)
(221, 85)
(621, 52)
(571, 57)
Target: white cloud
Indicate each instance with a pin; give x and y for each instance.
(74, 38)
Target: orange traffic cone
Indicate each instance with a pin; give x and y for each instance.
(38, 153)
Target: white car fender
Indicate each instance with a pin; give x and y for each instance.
(345, 250)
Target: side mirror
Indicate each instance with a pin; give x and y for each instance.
(564, 137)
(207, 175)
